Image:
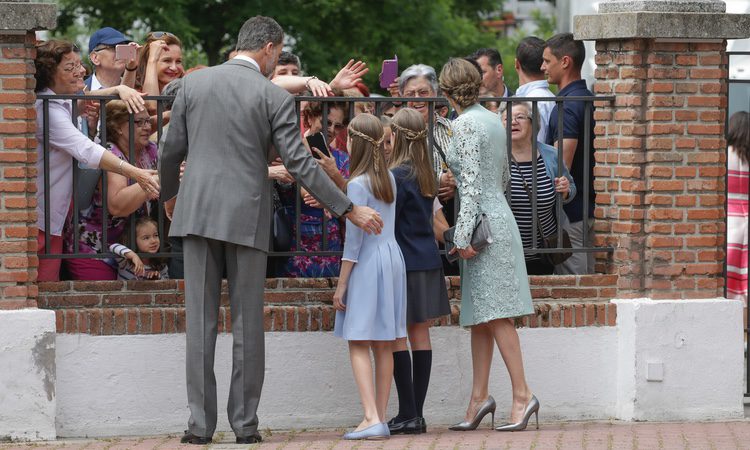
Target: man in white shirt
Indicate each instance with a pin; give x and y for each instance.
(532, 81)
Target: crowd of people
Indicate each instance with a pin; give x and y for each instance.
(156, 68)
(401, 172)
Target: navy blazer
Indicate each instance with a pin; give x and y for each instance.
(414, 232)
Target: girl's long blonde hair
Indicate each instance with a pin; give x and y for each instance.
(367, 157)
(410, 149)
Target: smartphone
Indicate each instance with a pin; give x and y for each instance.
(318, 141)
(125, 52)
(389, 72)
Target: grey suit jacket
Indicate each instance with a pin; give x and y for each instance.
(224, 122)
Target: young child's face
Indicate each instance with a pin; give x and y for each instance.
(147, 238)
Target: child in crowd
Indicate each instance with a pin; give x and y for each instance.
(370, 299)
(130, 266)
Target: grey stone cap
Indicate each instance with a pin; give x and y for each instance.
(696, 6)
(672, 25)
(24, 16)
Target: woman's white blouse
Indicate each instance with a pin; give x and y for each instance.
(65, 143)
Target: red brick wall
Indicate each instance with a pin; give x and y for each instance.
(18, 259)
(148, 307)
(660, 153)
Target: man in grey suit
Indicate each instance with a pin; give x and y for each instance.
(225, 120)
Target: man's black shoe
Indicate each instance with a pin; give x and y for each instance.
(409, 426)
(190, 438)
(254, 439)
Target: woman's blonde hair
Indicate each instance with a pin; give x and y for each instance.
(367, 157)
(460, 81)
(143, 53)
(410, 149)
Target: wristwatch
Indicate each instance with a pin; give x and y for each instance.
(348, 209)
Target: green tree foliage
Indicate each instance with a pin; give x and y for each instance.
(545, 28)
(324, 33)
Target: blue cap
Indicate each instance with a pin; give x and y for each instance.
(107, 36)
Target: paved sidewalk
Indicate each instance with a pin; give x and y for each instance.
(560, 435)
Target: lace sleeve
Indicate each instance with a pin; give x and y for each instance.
(467, 141)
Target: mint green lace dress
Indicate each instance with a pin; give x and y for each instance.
(494, 284)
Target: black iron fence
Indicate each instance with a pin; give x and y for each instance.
(376, 105)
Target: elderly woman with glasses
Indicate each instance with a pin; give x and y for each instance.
(123, 198)
(59, 71)
(547, 187)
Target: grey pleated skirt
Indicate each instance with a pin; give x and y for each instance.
(426, 295)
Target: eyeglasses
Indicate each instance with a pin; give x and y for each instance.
(518, 117)
(104, 47)
(160, 34)
(70, 68)
(420, 93)
(142, 122)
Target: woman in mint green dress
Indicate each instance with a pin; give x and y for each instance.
(494, 283)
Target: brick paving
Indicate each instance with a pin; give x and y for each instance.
(559, 435)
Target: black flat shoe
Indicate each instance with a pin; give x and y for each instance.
(254, 439)
(190, 438)
(409, 426)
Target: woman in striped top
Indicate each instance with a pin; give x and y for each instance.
(548, 184)
(738, 155)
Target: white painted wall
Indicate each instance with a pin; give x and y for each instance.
(699, 345)
(131, 385)
(27, 374)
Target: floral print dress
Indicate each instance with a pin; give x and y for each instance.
(311, 232)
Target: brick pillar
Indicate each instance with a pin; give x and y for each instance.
(660, 148)
(18, 260)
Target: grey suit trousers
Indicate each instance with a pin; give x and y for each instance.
(205, 259)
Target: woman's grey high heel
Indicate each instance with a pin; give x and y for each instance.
(488, 407)
(531, 408)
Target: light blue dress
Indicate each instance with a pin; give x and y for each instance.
(494, 284)
(376, 294)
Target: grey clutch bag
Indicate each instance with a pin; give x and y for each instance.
(481, 238)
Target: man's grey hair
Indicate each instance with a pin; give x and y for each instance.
(258, 31)
(418, 70)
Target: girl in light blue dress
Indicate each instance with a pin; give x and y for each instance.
(370, 299)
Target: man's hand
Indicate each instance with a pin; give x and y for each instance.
(349, 75)
(279, 173)
(366, 218)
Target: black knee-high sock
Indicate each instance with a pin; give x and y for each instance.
(422, 368)
(404, 385)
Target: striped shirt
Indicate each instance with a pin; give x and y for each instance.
(520, 202)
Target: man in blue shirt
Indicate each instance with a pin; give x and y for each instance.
(563, 58)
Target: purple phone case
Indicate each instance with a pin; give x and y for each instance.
(389, 72)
